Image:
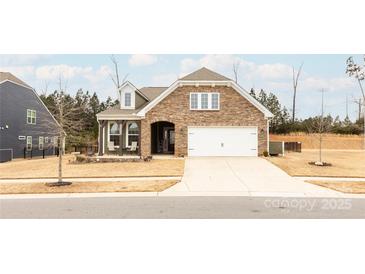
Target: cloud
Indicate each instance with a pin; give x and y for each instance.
(329, 84)
(164, 79)
(53, 72)
(21, 59)
(218, 62)
(19, 71)
(142, 60)
(223, 63)
(98, 75)
(272, 71)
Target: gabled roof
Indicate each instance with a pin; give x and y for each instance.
(204, 74)
(127, 83)
(152, 92)
(7, 76)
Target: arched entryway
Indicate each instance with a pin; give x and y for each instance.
(162, 138)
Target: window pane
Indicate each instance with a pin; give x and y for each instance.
(194, 101)
(133, 128)
(115, 139)
(127, 99)
(132, 138)
(204, 100)
(29, 142)
(114, 128)
(215, 100)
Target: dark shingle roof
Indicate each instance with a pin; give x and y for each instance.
(117, 110)
(8, 76)
(205, 74)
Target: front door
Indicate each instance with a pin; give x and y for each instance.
(168, 140)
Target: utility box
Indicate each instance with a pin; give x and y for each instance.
(276, 148)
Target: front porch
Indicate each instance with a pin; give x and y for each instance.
(119, 138)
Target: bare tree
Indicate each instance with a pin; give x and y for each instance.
(296, 75)
(319, 126)
(357, 71)
(358, 102)
(116, 78)
(236, 67)
(70, 119)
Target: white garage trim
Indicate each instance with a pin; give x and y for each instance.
(222, 141)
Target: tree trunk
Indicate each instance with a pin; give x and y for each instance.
(60, 149)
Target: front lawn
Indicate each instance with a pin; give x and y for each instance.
(87, 187)
(344, 163)
(344, 187)
(48, 168)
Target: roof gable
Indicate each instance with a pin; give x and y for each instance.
(7, 76)
(152, 92)
(204, 74)
(229, 83)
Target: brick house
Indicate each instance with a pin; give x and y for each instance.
(201, 114)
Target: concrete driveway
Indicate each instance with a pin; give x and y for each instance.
(241, 176)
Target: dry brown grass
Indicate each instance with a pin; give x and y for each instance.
(330, 141)
(344, 163)
(48, 168)
(344, 187)
(89, 187)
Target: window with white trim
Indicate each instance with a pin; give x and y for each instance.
(194, 101)
(215, 101)
(40, 143)
(132, 133)
(204, 101)
(31, 116)
(46, 140)
(127, 99)
(114, 133)
(29, 143)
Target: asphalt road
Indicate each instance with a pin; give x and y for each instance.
(182, 207)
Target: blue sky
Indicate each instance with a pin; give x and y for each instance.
(270, 72)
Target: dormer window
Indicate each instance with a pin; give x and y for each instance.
(127, 99)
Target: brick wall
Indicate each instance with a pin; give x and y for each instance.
(235, 110)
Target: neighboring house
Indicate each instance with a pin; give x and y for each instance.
(201, 114)
(26, 125)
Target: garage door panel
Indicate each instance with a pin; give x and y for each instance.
(222, 141)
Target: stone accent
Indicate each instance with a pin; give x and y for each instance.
(235, 110)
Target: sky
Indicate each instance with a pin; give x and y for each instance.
(271, 72)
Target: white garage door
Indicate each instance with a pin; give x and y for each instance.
(222, 141)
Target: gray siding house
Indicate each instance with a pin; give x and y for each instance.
(27, 128)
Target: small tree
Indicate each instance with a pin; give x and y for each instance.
(70, 117)
(319, 125)
(357, 71)
(296, 75)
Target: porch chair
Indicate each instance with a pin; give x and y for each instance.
(111, 146)
(133, 147)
